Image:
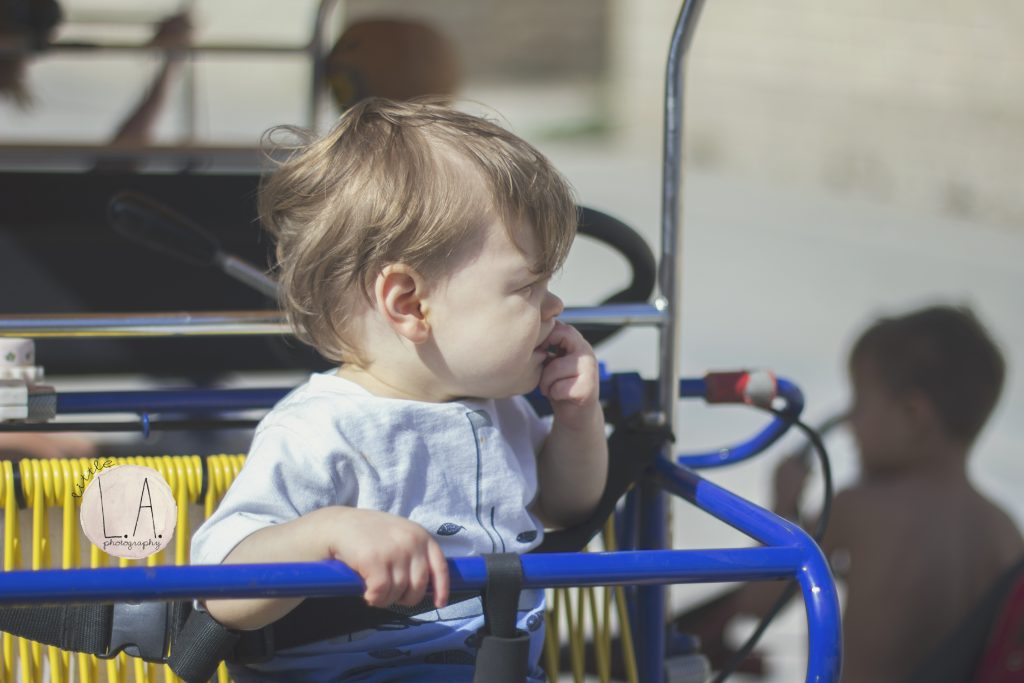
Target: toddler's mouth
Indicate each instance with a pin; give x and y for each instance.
(551, 352)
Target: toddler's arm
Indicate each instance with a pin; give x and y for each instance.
(573, 464)
(395, 557)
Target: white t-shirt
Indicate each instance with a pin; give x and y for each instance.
(465, 471)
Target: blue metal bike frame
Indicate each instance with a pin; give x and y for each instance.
(167, 400)
(790, 553)
(824, 647)
(647, 515)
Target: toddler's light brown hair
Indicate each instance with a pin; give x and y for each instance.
(399, 182)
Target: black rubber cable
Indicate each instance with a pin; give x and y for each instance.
(818, 534)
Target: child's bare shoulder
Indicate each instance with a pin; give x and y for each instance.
(872, 511)
(1006, 537)
(874, 498)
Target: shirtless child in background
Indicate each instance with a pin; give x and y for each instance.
(916, 544)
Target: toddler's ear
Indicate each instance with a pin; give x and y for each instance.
(399, 293)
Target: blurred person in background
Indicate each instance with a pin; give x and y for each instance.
(917, 545)
(28, 26)
(398, 59)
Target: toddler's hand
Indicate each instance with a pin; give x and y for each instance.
(570, 378)
(396, 558)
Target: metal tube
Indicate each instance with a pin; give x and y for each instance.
(614, 314)
(649, 628)
(168, 400)
(226, 323)
(334, 578)
(671, 194)
(762, 440)
(191, 51)
(248, 274)
(738, 513)
(17, 155)
(145, 325)
(824, 628)
(822, 603)
(318, 54)
(651, 600)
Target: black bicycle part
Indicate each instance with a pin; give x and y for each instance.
(619, 236)
(818, 534)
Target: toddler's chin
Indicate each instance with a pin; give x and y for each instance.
(531, 381)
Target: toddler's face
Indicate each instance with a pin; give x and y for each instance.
(490, 319)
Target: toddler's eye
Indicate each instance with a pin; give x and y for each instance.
(531, 288)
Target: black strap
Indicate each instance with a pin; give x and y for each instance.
(78, 628)
(141, 629)
(501, 593)
(959, 655)
(504, 654)
(322, 618)
(632, 448)
(199, 646)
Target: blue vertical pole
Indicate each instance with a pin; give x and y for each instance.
(649, 629)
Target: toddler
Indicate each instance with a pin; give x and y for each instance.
(415, 247)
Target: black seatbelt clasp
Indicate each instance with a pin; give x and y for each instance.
(504, 653)
(141, 629)
(503, 660)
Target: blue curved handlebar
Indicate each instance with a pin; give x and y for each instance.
(794, 405)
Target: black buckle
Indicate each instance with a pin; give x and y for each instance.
(141, 629)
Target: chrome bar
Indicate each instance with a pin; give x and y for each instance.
(671, 208)
(80, 17)
(318, 50)
(191, 51)
(22, 153)
(231, 323)
(144, 325)
(614, 314)
(247, 274)
(655, 528)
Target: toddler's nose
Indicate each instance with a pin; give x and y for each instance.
(552, 307)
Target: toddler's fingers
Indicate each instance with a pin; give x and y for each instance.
(439, 572)
(419, 577)
(559, 368)
(566, 389)
(399, 581)
(378, 587)
(372, 570)
(566, 337)
(578, 373)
